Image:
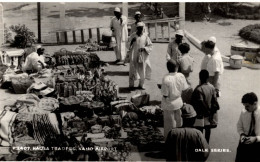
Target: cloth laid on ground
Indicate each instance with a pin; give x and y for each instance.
(6, 120)
(45, 126)
(17, 126)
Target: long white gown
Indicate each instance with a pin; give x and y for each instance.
(121, 35)
(140, 70)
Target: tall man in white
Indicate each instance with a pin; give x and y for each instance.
(140, 47)
(119, 28)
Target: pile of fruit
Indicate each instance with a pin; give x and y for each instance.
(144, 135)
(118, 152)
(103, 89)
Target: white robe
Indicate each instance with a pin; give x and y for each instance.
(31, 62)
(121, 35)
(140, 70)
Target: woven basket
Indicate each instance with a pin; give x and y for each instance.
(21, 85)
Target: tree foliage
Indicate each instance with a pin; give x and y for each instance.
(251, 32)
(24, 36)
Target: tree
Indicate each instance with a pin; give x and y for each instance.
(24, 36)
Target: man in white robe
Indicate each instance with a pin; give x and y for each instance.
(118, 26)
(140, 47)
(35, 61)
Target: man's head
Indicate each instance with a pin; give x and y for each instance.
(139, 28)
(172, 66)
(188, 115)
(204, 76)
(184, 48)
(40, 51)
(138, 16)
(179, 36)
(210, 44)
(250, 100)
(117, 12)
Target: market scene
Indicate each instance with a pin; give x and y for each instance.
(129, 81)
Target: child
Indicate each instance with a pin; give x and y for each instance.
(186, 61)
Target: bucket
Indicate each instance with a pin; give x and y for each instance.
(238, 49)
(112, 42)
(235, 61)
(106, 37)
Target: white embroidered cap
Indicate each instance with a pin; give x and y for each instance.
(117, 9)
(179, 32)
(137, 13)
(213, 39)
(38, 46)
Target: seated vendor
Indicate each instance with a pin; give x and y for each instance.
(35, 61)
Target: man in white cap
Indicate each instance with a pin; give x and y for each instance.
(172, 51)
(35, 61)
(140, 47)
(214, 65)
(138, 18)
(119, 28)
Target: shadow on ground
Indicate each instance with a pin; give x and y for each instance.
(156, 155)
(155, 102)
(117, 73)
(124, 90)
(229, 68)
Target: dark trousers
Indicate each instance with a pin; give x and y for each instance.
(248, 152)
(207, 132)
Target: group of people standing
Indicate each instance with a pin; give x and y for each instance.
(185, 122)
(136, 49)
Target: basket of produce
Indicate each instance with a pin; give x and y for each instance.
(71, 103)
(96, 129)
(48, 104)
(21, 85)
(98, 107)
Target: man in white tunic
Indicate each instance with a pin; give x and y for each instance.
(173, 84)
(140, 47)
(215, 65)
(35, 61)
(119, 28)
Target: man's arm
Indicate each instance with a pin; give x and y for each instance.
(240, 129)
(169, 51)
(164, 89)
(111, 25)
(149, 45)
(216, 78)
(123, 20)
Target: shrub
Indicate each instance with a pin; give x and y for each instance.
(7, 35)
(251, 32)
(24, 36)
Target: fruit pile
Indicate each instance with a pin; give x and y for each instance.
(144, 135)
(113, 132)
(103, 89)
(118, 152)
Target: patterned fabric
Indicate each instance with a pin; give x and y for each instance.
(45, 126)
(6, 120)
